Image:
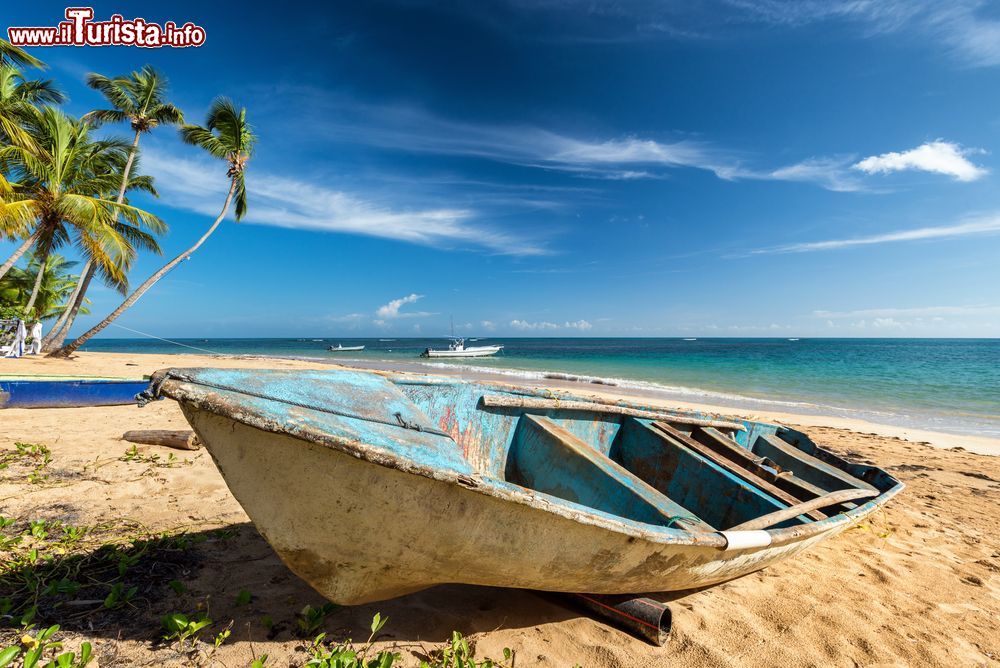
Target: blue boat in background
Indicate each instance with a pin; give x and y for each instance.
(67, 391)
(375, 485)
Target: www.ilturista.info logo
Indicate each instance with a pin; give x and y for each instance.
(79, 29)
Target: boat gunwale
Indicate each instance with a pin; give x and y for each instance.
(209, 399)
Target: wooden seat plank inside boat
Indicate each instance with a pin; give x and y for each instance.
(784, 479)
(738, 469)
(548, 458)
(697, 482)
(805, 466)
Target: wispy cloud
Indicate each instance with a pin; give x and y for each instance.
(391, 310)
(525, 326)
(913, 312)
(971, 227)
(199, 185)
(965, 28)
(941, 157)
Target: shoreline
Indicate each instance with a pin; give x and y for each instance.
(134, 364)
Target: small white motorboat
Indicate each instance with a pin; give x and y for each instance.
(343, 349)
(457, 348)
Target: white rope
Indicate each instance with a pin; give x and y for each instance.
(160, 338)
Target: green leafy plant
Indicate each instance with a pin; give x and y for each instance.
(310, 619)
(459, 654)
(119, 596)
(38, 645)
(35, 456)
(243, 598)
(153, 460)
(345, 655)
(258, 662)
(181, 628)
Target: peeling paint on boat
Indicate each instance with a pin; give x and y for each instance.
(370, 486)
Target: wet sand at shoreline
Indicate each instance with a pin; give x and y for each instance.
(917, 585)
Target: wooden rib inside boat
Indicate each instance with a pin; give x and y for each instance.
(370, 486)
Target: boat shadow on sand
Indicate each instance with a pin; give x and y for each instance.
(216, 571)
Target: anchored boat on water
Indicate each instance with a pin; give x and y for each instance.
(424, 480)
(457, 348)
(341, 349)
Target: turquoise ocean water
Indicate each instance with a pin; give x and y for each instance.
(948, 385)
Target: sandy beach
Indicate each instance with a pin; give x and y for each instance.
(918, 585)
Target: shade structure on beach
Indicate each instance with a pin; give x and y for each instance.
(420, 482)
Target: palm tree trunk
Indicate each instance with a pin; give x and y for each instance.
(38, 284)
(68, 350)
(62, 327)
(128, 168)
(21, 250)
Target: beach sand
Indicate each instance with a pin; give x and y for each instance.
(917, 585)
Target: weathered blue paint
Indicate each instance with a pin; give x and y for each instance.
(67, 392)
(548, 458)
(713, 493)
(369, 415)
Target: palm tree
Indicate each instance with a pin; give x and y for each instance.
(56, 286)
(10, 54)
(226, 136)
(18, 99)
(138, 98)
(63, 182)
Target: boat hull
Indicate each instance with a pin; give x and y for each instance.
(359, 530)
(68, 392)
(485, 351)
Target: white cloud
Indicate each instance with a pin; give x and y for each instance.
(488, 325)
(391, 310)
(524, 325)
(200, 185)
(941, 157)
(971, 227)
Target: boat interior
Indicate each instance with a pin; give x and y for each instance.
(676, 470)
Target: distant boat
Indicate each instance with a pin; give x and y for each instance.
(690, 339)
(793, 339)
(457, 348)
(583, 495)
(384, 340)
(339, 348)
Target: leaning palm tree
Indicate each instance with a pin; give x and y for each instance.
(139, 98)
(227, 136)
(62, 182)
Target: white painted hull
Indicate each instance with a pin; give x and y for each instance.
(480, 351)
(360, 528)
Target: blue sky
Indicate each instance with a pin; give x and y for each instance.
(563, 168)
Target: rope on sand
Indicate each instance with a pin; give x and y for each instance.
(160, 338)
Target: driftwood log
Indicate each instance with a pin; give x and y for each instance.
(181, 440)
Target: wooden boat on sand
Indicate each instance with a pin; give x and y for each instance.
(371, 486)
